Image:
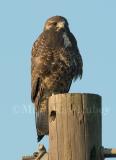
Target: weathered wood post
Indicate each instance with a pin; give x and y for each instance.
(75, 127)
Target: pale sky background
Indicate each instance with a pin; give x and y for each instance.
(93, 23)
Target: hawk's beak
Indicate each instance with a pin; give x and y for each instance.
(60, 25)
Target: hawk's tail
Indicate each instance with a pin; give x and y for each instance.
(41, 118)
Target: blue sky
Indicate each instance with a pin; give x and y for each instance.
(93, 24)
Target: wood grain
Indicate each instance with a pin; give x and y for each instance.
(75, 128)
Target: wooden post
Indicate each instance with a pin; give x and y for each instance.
(75, 127)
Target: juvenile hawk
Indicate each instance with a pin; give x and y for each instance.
(56, 61)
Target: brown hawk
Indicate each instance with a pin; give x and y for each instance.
(56, 61)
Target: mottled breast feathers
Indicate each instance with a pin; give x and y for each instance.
(50, 56)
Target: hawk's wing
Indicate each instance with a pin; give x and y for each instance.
(77, 56)
(36, 65)
(34, 75)
(39, 65)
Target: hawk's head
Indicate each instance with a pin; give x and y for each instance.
(57, 23)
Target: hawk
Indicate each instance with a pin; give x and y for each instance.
(55, 62)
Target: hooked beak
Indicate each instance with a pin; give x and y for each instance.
(60, 25)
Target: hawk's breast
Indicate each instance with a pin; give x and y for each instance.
(67, 42)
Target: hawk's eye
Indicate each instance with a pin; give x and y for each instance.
(54, 23)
